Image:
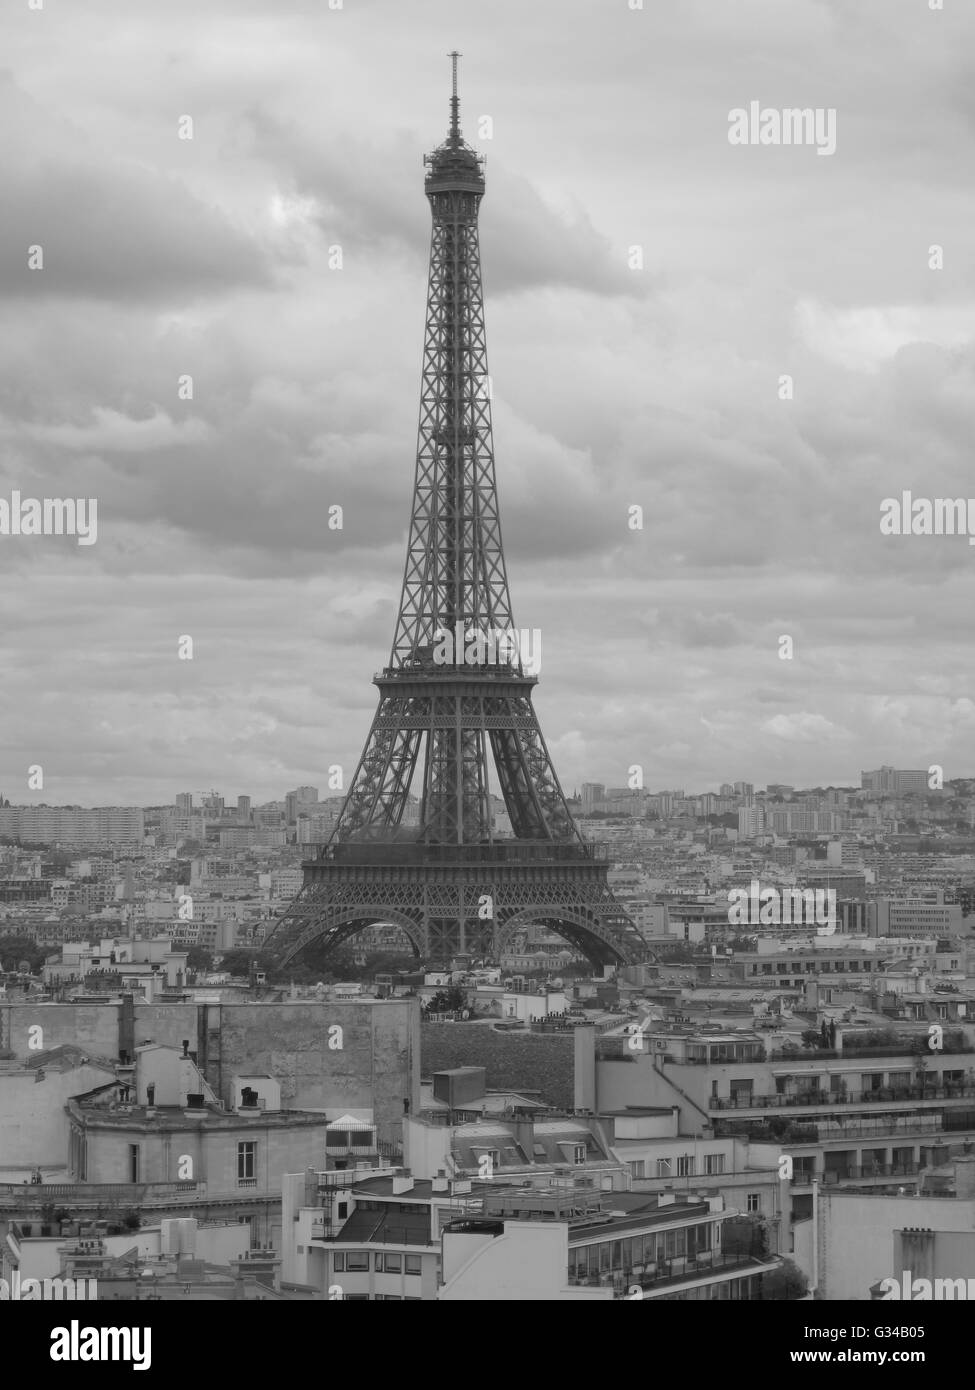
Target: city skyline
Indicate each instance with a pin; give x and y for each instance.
(574, 791)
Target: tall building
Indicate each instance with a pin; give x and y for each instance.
(891, 781)
(184, 803)
(307, 796)
(243, 808)
(65, 825)
(751, 821)
(592, 793)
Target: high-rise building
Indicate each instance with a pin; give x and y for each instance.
(307, 796)
(184, 803)
(592, 792)
(746, 789)
(118, 825)
(892, 781)
(243, 808)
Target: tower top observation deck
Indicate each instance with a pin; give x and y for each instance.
(454, 165)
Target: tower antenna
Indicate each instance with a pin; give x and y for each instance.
(454, 99)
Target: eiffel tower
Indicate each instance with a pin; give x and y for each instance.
(455, 696)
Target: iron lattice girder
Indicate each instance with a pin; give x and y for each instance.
(437, 903)
(455, 569)
(458, 712)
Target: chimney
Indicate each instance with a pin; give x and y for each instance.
(965, 1176)
(440, 1182)
(402, 1182)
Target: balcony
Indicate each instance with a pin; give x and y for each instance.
(681, 1269)
(853, 1173)
(404, 851)
(97, 1193)
(889, 1095)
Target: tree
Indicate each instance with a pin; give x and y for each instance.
(15, 950)
(446, 1001)
(744, 1237)
(786, 1282)
(237, 962)
(199, 958)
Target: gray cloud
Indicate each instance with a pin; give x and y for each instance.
(613, 387)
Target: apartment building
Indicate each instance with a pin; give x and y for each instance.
(863, 1109)
(856, 1240)
(567, 1243)
(65, 825)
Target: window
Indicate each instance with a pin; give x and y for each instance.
(133, 1163)
(414, 1264)
(357, 1260)
(754, 1201)
(246, 1162)
(579, 1155)
(343, 1210)
(685, 1166)
(663, 1168)
(714, 1163)
(389, 1264)
(338, 1262)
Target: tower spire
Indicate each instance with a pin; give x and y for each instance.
(454, 99)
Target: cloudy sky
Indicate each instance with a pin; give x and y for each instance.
(613, 386)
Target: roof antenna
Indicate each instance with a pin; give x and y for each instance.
(454, 99)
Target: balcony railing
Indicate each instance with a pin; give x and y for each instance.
(680, 1269)
(909, 1124)
(133, 1193)
(879, 1096)
(832, 1176)
(406, 851)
